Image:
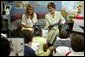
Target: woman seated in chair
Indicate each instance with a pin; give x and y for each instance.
(52, 19)
(29, 18)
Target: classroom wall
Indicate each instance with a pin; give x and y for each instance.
(40, 10)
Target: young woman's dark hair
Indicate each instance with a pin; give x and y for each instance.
(51, 4)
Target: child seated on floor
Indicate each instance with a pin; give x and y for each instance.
(63, 39)
(62, 42)
(41, 44)
(77, 45)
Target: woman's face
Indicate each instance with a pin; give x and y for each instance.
(30, 11)
(51, 10)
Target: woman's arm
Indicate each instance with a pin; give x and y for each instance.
(26, 26)
(46, 23)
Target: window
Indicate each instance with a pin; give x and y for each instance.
(69, 5)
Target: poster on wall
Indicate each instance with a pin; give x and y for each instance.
(16, 46)
(21, 4)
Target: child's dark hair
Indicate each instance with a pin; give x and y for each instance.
(28, 36)
(5, 47)
(63, 34)
(77, 43)
(37, 31)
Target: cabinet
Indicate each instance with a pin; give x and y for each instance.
(5, 24)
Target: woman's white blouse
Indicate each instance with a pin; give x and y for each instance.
(29, 22)
(50, 20)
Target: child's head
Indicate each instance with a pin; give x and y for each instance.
(5, 47)
(77, 43)
(38, 32)
(63, 34)
(28, 36)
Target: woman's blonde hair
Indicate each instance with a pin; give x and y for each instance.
(27, 13)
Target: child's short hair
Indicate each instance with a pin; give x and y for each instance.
(63, 34)
(77, 43)
(28, 35)
(38, 32)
